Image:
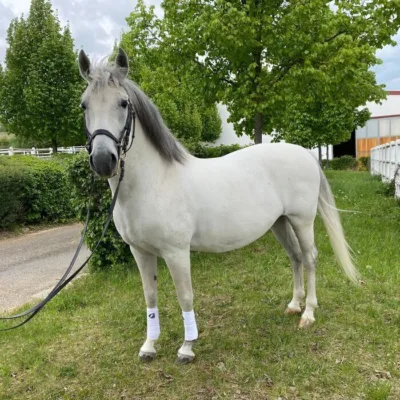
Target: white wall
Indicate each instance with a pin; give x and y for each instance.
(390, 106)
(228, 135)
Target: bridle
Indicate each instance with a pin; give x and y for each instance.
(123, 142)
(122, 145)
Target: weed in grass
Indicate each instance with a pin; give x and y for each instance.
(380, 391)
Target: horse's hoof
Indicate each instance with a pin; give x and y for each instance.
(184, 359)
(305, 323)
(146, 356)
(291, 311)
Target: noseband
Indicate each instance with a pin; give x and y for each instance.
(123, 142)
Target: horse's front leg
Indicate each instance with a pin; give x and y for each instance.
(179, 266)
(147, 264)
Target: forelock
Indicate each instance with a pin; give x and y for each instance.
(105, 74)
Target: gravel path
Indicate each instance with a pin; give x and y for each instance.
(33, 263)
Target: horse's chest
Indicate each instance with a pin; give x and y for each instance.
(149, 227)
(134, 224)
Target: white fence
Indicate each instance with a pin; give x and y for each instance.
(41, 153)
(385, 161)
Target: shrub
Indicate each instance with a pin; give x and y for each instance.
(342, 163)
(202, 151)
(112, 250)
(33, 190)
(5, 141)
(12, 202)
(363, 163)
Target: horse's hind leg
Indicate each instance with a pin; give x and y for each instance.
(283, 231)
(304, 230)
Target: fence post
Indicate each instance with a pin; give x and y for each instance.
(10, 151)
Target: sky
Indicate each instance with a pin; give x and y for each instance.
(95, 24)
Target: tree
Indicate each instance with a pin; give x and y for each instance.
(41, 83)
(177, 89)
(294, 66)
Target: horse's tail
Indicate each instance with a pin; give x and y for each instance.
(330, 216)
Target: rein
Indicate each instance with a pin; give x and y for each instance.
(123, 148)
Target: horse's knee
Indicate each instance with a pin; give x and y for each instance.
(296, 258)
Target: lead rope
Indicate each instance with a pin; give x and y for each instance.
(65, 280)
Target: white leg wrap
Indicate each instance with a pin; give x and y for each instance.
(189, 322)
(153, 324)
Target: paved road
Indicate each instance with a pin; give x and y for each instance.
(33, 263)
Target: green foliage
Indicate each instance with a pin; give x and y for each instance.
(41, 87)
(301, 68)
(390, 189)
(177, 90)
(378, 391)
(12, 204)
(364, 163)
(5, 141)
(112, 250)
(342, 163)
(32, 191)
(214, 151)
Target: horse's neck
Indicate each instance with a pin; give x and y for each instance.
(143, 165)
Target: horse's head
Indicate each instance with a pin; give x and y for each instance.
(108, 112)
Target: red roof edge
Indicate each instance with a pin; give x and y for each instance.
(386, 116)
(393, 92)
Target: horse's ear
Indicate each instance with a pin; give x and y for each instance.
(122, 62)
(84, 65)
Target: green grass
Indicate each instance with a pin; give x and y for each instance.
(84, 345)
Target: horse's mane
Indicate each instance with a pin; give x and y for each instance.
(103, 74)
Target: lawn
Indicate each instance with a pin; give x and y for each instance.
(84, 344)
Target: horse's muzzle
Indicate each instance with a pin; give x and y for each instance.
(103, 163)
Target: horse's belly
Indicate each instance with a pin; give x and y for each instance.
(229, 232)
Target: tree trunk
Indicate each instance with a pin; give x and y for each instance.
(258, 128)
(327, 156)
(54, 145)
(320, 154)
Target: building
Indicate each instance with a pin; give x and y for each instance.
(228, 135)
(383, 127)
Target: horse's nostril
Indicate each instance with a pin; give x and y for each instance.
(113, 160)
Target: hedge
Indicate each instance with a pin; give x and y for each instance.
(112, 250)
(33, 190)
(201, 151)
(347, 163)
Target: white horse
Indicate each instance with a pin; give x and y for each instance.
(171, 202)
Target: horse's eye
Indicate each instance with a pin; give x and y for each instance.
(124, 104)
(83, 106)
